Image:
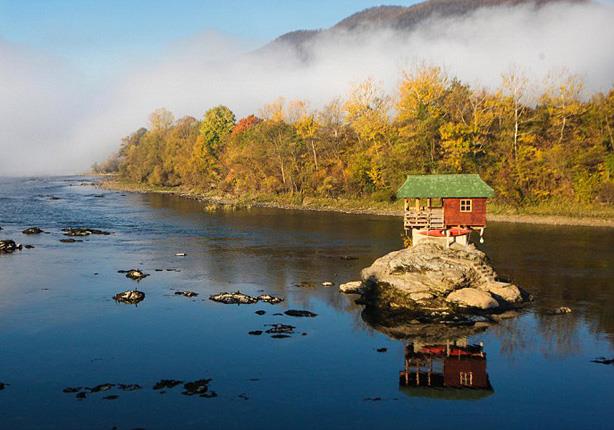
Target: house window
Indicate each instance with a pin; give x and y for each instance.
(466, 378)
(465, 206)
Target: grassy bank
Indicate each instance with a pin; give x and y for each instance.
(555, 214)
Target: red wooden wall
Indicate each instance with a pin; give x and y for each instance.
(453, 216)
(452, 368)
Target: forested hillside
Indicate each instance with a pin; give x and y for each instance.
(402, 18)
(557, 146)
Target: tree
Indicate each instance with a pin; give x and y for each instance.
(421, 113)
(245, 124)
(161, 120)
(215, 127)
(515, 90)
(367, 110)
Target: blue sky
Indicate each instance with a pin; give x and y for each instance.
(89, 32)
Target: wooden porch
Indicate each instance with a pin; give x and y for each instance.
(422, 216)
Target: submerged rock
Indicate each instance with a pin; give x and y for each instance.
(199, 388)
(297, 313)
(270, 299)
(134, 274)
(9, 246)
(305, 284)
(129, 387)
(32, 230)
(186, 293)
(82, 392)
(101, 388)
(71, 390)
(131, 297)
(80, 231)
(280, 329)
(559, 311)
(70, 240)
(238, 298)
(166, 384)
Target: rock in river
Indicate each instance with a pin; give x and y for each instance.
(70, 240)
(80, 231)
(238, 298)
(199, 388)
(559, 311)
(134, 274)
(472, 298)
(281, 329)
(353, 287)
(429, 277)
(267, 298)
(32, 230)
(186, 293)
(131, 297)
(297, 313)
(8, 246)
(166, 383)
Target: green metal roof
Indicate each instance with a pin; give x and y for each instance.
(426, 186)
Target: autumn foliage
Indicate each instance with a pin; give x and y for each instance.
(529, 147)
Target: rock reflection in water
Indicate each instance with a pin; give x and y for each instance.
(450, 370)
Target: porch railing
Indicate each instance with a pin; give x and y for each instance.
(424, 218)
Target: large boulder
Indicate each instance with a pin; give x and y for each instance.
(473, 298)
(503, 291)
(429, 277)
(427, 268)
(352, 287)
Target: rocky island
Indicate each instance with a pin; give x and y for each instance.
(430, 283)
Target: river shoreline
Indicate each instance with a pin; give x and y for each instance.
(349, 207)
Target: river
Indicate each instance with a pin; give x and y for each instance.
(60, 327)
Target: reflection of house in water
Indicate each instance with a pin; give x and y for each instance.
(454, 370)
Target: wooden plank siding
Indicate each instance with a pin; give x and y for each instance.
(453, 215)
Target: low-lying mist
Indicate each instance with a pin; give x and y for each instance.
(52, 121)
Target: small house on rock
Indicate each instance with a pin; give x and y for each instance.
(445, 206)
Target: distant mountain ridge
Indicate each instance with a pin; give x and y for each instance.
(403, 18)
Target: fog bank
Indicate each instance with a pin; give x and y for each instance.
(52, 121)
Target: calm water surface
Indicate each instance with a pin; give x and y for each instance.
(59, 326)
